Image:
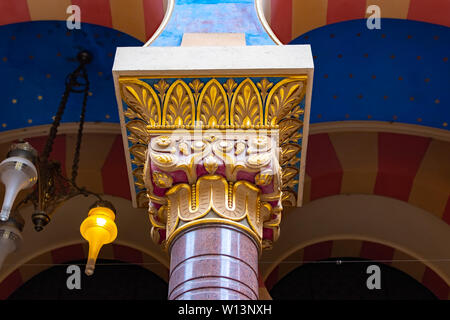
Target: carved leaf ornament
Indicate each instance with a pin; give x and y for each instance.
(154, 108)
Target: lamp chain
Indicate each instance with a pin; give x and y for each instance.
(76, 157)
(62, 105)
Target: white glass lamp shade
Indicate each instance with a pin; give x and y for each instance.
(10, 239)
(16, 173)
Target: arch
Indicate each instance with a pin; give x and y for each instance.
(102, 166)
(78, 251)
(413, 169)
(169, 5)
(369, 250)
(138, 18)
(348, 278)
(49, 57)
(292, 18)
(385, 229)
(63, 230)
(339, 161)
(263, 12)
(380, 126)
(400, 82)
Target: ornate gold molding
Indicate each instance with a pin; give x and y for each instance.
(209, 150)
(187, 150)
(211, 200)
(237, 177)
(237, 203)
(255, 106)
(156, 107)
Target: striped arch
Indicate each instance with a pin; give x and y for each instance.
(292, 18)
(362, 249)
(409, 168)
(78, 251)
(338, 163)
(138, 18)
(368, 226)
(102, 166)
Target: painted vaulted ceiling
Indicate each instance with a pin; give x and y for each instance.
(398, 74)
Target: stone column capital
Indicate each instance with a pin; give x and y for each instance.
(215, 150)
(211, 176)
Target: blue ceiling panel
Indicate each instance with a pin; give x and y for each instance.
(36, 57)
(400, 73)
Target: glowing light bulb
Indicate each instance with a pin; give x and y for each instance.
(98, 229)
(101, 222)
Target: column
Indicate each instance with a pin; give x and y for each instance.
(214, 159)
(214, 262)
(214, 209)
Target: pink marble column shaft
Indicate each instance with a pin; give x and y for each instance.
(213, 262)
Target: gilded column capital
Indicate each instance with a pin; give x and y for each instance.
(211, 176)
(215, 150)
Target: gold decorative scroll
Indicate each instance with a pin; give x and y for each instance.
(231, 104)
(246, 106)
(237, 203)
(184, 151)
(210, 104)
(142, 101)
(179, 105)
(213, 107)
(230, 200)
(286, 95)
